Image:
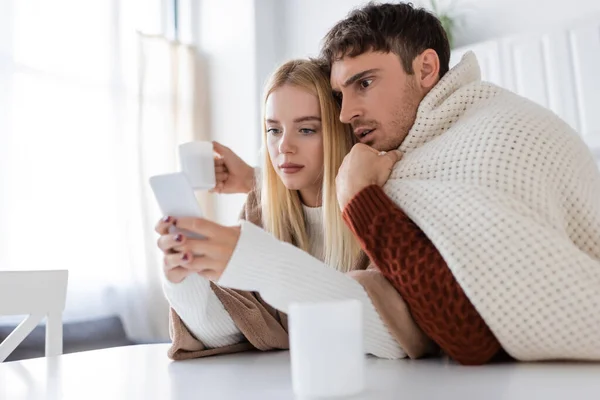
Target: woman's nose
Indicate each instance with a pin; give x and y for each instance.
(286, 144)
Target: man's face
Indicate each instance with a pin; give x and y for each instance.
(378, 98)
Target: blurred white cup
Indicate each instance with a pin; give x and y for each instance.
(197, 163)
(326, 348)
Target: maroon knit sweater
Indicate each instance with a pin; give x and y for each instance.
(410, 261)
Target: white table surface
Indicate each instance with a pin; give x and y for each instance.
(145, 372)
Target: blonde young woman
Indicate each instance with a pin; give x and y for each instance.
(223, 297)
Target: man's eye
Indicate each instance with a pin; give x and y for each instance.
(366, 83)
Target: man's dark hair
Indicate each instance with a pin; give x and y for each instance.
(398, 28)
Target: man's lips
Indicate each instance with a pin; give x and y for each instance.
(362, 133)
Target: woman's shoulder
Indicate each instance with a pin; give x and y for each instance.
(251, 211)
(362, 261)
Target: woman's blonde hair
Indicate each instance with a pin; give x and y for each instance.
(282, 213)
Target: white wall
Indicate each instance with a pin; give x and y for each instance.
(488, 19)
(241, 49)
(307, 21)
(228, 43)
(6, 31)
(269, 15)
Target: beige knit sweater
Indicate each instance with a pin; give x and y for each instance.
(510, 196)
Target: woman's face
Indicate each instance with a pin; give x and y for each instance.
(295, 139)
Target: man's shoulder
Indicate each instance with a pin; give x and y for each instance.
(509, 115)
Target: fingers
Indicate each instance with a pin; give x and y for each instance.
(394, 156)
(162, 226)
(176, 260)
(363, 147)
(221, 177)
(203, 265)
(178, 265)
(220, 149)
(177, 274)
(200, 226)
(221, 171)
(218, 188)
(174, 272)
(220, 166)
(197, 248)
(168, 243)
(209, 274)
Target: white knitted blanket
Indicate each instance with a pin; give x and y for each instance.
(510, 196)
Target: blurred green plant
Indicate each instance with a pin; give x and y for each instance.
(447, 18)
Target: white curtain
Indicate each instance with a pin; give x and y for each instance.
(169, 107)
(89, 109)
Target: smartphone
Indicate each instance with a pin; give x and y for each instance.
(176, 198)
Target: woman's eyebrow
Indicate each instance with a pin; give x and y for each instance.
(297, 120)
(307, 118)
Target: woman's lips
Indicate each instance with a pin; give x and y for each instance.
(289, 168)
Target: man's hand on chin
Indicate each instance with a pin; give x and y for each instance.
(362, 167)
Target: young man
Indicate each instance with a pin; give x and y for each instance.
(504, 190)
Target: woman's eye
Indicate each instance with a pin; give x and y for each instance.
(307, 131)
(273, 131)
(366, 83)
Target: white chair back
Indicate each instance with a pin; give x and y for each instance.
(37, 294)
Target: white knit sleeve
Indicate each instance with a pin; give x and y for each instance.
(282, 274)
(202, 312)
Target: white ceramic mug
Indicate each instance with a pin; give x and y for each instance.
(326, 348)
(197, 163)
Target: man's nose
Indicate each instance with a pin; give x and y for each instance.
(349, 110)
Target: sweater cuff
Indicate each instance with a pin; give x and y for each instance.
(365, 206)
(189, 297)
(245, 270)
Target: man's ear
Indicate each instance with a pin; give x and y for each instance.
(427, 69)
